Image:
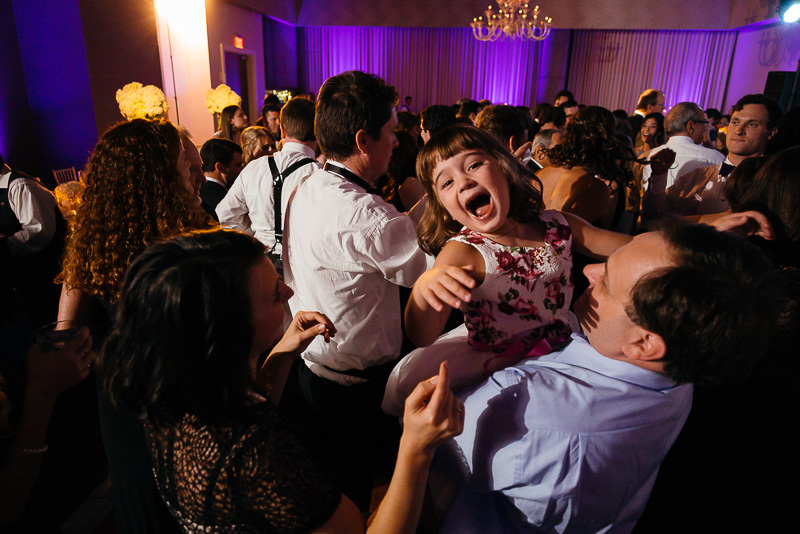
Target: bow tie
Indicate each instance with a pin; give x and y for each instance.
(726, 169)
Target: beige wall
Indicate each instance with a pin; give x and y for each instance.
(758, 51)
(226, 20)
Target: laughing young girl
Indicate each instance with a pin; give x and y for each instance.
(501, 259)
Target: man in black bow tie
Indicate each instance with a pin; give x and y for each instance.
(754, 121)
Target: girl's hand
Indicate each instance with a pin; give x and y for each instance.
(446, 284)
(432, 414)
(305, 326)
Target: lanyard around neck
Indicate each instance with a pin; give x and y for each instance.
(348, 175)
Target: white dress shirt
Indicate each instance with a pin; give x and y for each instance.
(249, 204)
(346, 253)
(569, 442)
(688, 157)
(35, 208)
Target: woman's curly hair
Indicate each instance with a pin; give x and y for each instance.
(590, 143)
(134, 195)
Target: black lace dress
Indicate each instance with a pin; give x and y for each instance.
(249, 476)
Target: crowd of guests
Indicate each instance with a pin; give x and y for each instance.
(258, 310)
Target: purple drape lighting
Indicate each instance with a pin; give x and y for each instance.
(607, 68)
(433, 65)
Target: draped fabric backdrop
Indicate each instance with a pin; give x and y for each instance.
(433, 65)
(607, 68)
(611, 68)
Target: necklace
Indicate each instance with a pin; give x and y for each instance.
(495, 238)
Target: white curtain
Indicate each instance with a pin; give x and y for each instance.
(433, 65)
(611, 68)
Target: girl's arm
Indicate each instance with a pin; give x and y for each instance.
(458, 269)
(593, 241)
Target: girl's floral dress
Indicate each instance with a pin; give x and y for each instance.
(524, 288)
(520, 310)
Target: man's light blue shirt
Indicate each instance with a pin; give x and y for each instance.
(568, 442)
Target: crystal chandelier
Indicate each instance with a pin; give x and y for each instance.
(511, 19)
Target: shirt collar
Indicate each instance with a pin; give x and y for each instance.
(581, 354)
(210, 179)
(680, 139)
(347, 173)
(293, 146)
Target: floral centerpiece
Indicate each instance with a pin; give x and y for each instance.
(220, 98)
(137, 101)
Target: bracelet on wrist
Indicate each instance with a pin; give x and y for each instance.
(33, 450)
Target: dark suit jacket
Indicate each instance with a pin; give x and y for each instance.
(211, 193)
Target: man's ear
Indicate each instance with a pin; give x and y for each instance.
(283, 132)
(220, 168)
(361, 140)
(772, 133)
(647, 346)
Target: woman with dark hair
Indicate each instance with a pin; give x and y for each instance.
(232, 122)
(652, 133)
(138, 192)
(590, 169)
(195, 315)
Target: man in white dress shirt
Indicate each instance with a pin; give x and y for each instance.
(572, 441)
(347, 252)
(32, 233)
(685, 125)
(249, 204)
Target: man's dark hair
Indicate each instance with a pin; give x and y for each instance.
(437, 118)
(774, 110)
(407, 121)
(297, 119)
(503, 122)
(408, 98)
(564, 92)
(350, 102)
(275, 108)
(648, 98)
(714, 309)
(554, 115)
(620, 114)
(468, 108)
(568, 104)
(272, 98)
(713, 114)
(217, 150)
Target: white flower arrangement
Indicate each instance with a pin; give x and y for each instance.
(137, 101)
(220, 98)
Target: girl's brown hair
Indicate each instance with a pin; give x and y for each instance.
(525, 189)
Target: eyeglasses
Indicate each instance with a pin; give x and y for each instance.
(700, 122)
